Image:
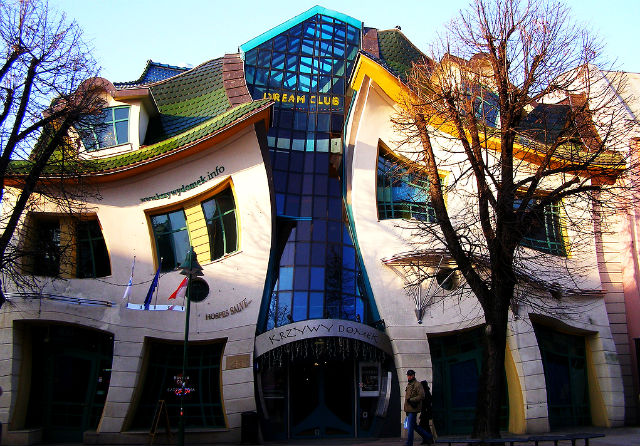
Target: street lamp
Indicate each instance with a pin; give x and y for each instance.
(190, 267)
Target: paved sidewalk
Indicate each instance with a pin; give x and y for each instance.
(622, 436)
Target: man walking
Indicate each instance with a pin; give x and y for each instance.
(413, 396)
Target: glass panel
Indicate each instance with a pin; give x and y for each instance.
(46, 252)
(219, 213)
(285, 281)
(316, 305)
(299, 306)
(317, 279)
(172, 238)
(92, 255)
(121, 113)
(122, 132)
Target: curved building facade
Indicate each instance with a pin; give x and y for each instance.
(280, 168)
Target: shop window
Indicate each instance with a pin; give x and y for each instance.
(171, 238)
(220, 215)
(545, 232)
(66, 246)
(162, 380)
(402, 193)
(109, 129)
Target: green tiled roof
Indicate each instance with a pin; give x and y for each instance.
(397, 52)
(187, 100)
(105, 165)
(191, 107)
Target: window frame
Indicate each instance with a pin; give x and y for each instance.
(92, 247)
(190, 203)
(68, 247)
(555, 241)
(390, 208)
(91, 132)
(220, 216)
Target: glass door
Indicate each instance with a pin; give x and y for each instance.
(322, 399)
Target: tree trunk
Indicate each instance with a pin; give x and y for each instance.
(491, 383)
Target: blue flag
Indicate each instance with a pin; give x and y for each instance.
(153, 286)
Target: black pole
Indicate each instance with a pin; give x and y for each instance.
(184, 358)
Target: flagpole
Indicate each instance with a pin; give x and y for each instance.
(133, 265)
(155, 305)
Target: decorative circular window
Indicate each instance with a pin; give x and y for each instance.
(447, 278)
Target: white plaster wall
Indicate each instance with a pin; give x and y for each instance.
(231, 279)
(382, 239)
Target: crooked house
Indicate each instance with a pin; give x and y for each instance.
(275, 166)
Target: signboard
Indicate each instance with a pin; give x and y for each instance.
(210, 175)
(322, 102)
(369, 374)
(319, 328)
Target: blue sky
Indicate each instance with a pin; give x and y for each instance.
(126, 33)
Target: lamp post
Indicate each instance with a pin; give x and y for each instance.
(190, 267)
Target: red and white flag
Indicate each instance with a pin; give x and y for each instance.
(180, 291)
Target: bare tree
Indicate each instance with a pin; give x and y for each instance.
(507, 106)
(45, 92)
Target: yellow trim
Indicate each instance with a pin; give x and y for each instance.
(197, 227)
(562, 221)
(390, 84)
(398, 92)
(68, 244)
(599, 414)
(517, 423)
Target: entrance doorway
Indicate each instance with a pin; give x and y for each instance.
(70, 374)
(457, 362)
(322, 399)
(323, 391)
(565, 371)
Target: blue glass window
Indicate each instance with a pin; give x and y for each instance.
(401, 193)
(313, 58)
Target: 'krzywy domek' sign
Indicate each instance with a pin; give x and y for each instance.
(319, 328)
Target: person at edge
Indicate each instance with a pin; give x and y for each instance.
(413, 396)
(426, 414)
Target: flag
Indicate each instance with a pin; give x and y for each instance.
(154, 284)
(127, 292)
(181, 290)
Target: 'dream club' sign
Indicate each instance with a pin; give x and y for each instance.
(186, 187)
(318, 328)
(319, 101)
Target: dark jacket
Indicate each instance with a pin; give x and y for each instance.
(427, 412)
(413, 396)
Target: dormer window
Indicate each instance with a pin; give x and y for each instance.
(110, 129)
